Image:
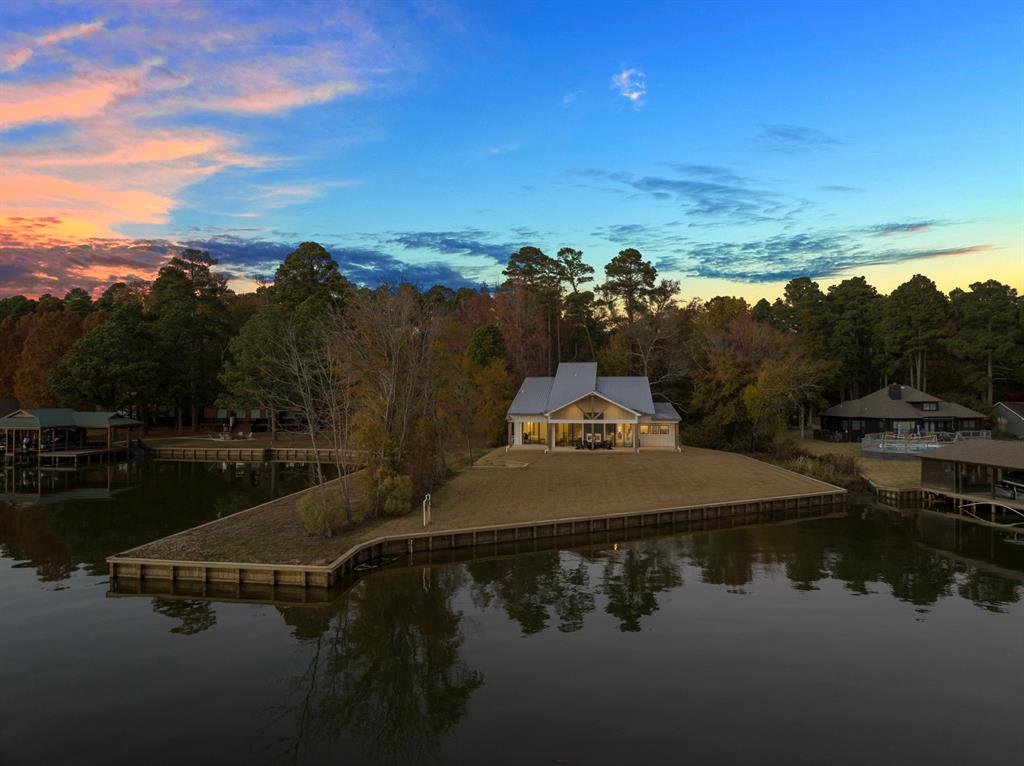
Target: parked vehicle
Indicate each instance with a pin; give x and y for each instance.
(1012, 486)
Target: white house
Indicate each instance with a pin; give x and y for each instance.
(578, 409)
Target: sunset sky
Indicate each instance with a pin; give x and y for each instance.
(737, 145)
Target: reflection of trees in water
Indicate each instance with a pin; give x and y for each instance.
(155, 499)
(531, 587)
(384, 669)
(25, 535)
(634, 576)
(194, 616)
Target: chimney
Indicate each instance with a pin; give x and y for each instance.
(894, 390)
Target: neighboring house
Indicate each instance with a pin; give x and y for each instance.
(898, 409)
(579, 409)
(1008, 417)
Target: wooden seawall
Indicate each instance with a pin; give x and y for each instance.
(218, 573)
(224, 454)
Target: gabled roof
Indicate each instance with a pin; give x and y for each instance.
(1004, 453)
(1017, 408)
(572, 381)
(631, 392)
(881, 405)
(575, 380)
(65, 418)
(532, 398)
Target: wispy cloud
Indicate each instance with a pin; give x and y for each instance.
(13, 57)
(710, 195)
(840, 189)
(794, 139)
(631, 83)
(571, 96)
(500, 149)
(784, 257)
(910, 227)
(465, 242)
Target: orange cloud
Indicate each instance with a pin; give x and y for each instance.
(65, 100)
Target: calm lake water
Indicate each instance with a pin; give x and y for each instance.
(876, 637)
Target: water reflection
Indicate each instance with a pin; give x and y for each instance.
(567, 651)
(384, 670)
(56, 521)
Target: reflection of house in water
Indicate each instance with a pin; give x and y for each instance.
(31, 485)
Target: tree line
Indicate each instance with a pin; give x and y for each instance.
(407, 375)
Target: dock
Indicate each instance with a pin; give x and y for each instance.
(224, 453)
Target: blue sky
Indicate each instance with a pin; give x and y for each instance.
(737, 145)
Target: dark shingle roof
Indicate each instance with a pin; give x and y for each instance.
(881, 405)
(64, 418)
(1004, 453)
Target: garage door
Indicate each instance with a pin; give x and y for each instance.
(657, 435)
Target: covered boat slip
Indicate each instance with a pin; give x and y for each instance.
(58, 437)
(986, 474)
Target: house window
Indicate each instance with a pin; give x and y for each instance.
(535, 432)
(654, 429)
(930, 406)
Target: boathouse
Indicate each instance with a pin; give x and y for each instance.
(981, 471)
(897, 409)
(65, 435)
(579, 409)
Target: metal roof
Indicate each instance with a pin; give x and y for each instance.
(1017, 408)
(532, 398)
(574, 380)
(880, 405)
(65, 418)
(1004, 453)
(632, 392)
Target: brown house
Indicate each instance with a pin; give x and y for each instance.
(897, 409)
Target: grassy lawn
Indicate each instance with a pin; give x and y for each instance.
(557, 485)
(891, 474)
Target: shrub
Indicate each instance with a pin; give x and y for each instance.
(389, 494)
(322, 512)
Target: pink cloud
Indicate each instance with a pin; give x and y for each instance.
(11, 60)
(65, 100)
(70, 32)
(15, 59)
(282, 98)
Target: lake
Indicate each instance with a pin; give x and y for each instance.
(875, 637)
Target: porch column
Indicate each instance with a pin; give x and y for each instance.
(636, 433)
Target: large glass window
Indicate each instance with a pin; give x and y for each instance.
(624, 435)
(535, 432)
